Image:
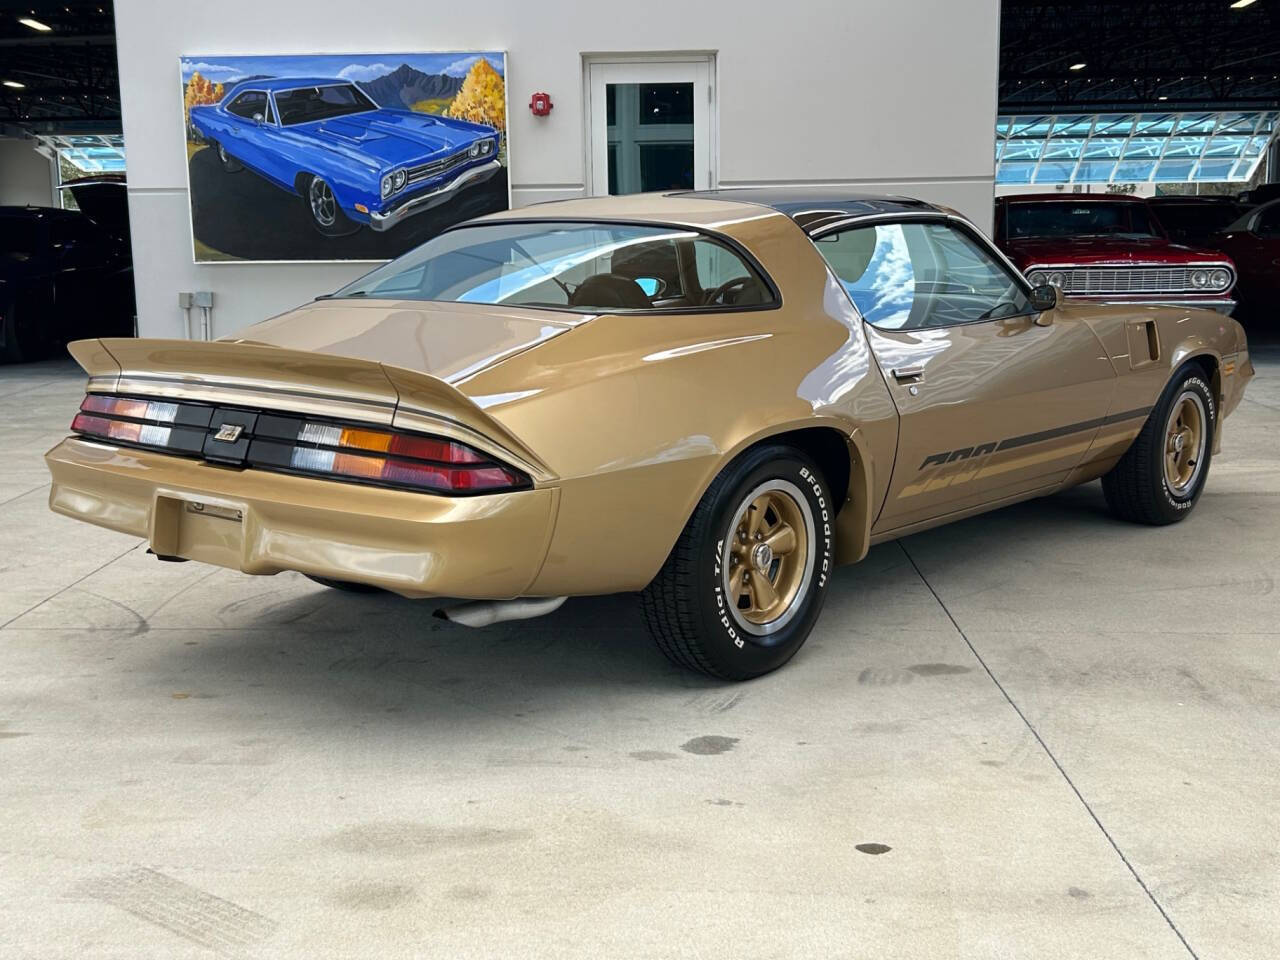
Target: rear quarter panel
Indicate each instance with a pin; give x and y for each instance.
(638, 414)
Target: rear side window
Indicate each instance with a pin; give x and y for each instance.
(909, 276)
(584, 267)
(249, 103)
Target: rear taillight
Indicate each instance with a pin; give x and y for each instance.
(397, 459)
(239, 437)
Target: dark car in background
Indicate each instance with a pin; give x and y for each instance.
(1109, 247)
(65, 274)
(1194, 220)
(1252, 240)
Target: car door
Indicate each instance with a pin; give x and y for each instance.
(250, 115)
(1256, 253)
(995, 399)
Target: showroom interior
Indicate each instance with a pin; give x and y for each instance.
(419, 713)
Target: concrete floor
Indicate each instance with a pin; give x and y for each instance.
(1039, 733)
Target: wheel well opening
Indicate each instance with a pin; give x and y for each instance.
(829, 450)
(1210, 367)
(300, 183)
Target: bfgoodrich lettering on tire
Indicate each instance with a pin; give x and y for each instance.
(1161, 476)
(745, 582)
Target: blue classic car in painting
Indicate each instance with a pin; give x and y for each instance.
(352, 161)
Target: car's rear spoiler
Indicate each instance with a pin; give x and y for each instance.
(273, 378)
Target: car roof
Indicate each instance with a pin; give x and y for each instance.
(809, 207)
(287, 83)
(1188, 198)
(1070, 198)
(1245, 221)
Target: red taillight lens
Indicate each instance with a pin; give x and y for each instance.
(430, 463)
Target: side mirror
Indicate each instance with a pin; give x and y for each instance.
(1044, 297)
(652, 286)
(258, 118)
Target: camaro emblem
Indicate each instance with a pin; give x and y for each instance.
(229, 432)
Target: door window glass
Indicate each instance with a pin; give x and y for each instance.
(907, 276)
(249, 103)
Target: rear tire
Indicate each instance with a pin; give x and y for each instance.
(347, 586)
(1160, 477)
(726, 603)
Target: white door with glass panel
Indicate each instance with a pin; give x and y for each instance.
(649, 125)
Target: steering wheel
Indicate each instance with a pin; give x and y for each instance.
(724, 288)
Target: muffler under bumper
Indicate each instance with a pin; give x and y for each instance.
(482, 613)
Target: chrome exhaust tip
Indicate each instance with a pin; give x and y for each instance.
(482, 613)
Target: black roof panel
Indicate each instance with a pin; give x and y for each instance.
(812, 207)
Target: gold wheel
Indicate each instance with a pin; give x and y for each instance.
(1184, 443)
(768, 557)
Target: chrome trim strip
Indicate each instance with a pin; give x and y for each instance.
(368, 410)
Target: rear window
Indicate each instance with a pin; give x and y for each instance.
(582, 267)
(1068, 219)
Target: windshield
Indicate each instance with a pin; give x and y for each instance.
(1074, 219)
(584, 267)
(308, 104)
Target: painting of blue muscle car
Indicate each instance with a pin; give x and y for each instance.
(352, 161)
(367, 145)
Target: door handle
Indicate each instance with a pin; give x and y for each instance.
(913, 372)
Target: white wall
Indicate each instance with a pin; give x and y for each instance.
(899, 97)
(25, 176)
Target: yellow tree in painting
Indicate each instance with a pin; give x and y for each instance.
(200, 90)
(483, 97)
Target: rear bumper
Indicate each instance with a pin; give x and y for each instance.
(417, 545)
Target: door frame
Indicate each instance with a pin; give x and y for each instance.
(596, 154)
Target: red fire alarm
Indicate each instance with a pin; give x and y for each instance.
(540, 105)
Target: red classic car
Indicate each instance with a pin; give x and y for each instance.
(1253, 242)
(1108, 247)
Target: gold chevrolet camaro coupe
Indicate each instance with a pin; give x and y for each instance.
(711, 398)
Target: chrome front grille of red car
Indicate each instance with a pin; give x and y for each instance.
(1125, 280)
(436, 167)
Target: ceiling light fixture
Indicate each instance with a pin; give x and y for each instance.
(1077, 66)
(34, 24)
(1241, 4)
(15, 84)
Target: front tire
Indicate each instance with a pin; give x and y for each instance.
(229, 163)
(322, 206)
(1159, 479)
(744, 584)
